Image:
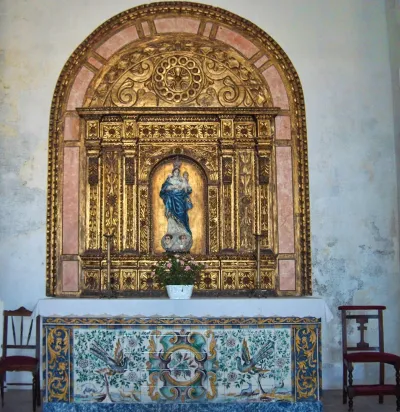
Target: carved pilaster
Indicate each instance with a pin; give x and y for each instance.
(213, 219)
(144, 218)
(111, 197)
(246, 200)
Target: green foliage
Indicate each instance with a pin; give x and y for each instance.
(177, 270)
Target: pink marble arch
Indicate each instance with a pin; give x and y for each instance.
(276, 87)
(70, 275)
(71, 128)
(284, 183)
(70, 211)
(207, 30)
(177, 25)
(146, 28)
(94, 62)
(120, 39)
(236, 40)
(287, 274)
(283, 128)
(79, 87)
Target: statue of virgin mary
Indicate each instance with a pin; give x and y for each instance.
(175, 193)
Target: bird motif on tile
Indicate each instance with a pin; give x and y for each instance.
(116, 364)
(248, 364)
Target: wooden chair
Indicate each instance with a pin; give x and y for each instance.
(364, 353)
(21, 342)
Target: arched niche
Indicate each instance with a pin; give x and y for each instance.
(168, 78)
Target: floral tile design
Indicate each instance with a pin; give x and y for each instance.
(217, 362)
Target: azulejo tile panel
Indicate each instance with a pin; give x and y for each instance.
(182, 360)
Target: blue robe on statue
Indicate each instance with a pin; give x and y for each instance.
(177, 203)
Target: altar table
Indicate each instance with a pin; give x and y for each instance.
(198, 354)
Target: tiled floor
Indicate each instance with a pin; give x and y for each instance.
(20, 401)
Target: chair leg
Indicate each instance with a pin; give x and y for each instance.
(344, 384)
(2, 388)
(34, 391)
(349, 388)
(38, 390)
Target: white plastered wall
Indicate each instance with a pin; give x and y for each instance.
(340, 50)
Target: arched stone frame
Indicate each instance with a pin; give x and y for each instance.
(75, 87)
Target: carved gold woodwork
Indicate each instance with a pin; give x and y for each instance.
(124, 183)
(182, 94)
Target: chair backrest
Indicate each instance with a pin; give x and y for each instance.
(20, 325)
(361, 315)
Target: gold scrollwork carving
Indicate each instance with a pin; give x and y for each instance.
(93, 226)
(129, 129)
(246, 200)
(115, 282)
(229, 279)
(111, 131)
(92, 129)
(144, 218)
(178, 131)
(173, 71)
(268, 279)
(129, 279)
(228, 226)
(146, 280)
(111, 196)
(209, 280)
(91, 279)
(130, 229)
(213, 219)
(244, 130)
(246, 279)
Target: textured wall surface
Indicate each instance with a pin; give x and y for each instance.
(340, 50)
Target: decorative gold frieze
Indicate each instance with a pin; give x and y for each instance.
(246, 279)
(244, 130)
(129, 279)
(209, 280)
(92, 129)
(111, 131)
(91, 280)
(264, 127)
(229, 280)
(129, 129)
(268, 279)
(178, 131)
(114, 280)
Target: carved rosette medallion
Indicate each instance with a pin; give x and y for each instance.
(178, 79)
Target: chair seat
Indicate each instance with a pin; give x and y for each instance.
(18, 363)
(372, 357)
(370, 390)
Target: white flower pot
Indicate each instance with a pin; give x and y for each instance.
(179, 291)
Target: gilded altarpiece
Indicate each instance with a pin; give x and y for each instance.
(187, 83)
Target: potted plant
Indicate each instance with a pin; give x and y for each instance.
(178, 273)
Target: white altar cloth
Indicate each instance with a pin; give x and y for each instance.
(196, 307)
